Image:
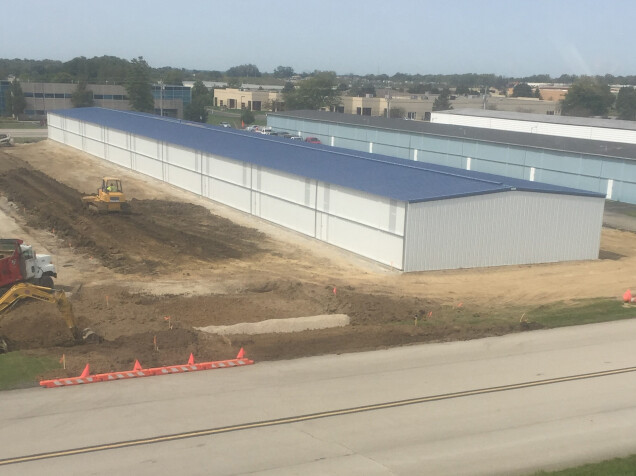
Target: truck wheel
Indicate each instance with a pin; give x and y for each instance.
(46, 281)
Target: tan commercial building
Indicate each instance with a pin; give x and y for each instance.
(419, 107)
(258, 100)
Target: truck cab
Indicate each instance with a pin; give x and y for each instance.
(20, 263)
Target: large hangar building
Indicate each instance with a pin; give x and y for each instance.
(412, 216)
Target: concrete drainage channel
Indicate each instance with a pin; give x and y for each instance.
(272, 326)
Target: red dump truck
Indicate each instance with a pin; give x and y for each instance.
(20, 264)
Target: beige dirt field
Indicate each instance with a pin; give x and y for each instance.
(203, 264)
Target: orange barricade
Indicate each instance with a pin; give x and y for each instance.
(62, 382)
(137, 371)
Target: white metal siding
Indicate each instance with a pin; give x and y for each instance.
(502, 229)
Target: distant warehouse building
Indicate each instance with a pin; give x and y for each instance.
(598, 155)
(608, 130)
(412, 216)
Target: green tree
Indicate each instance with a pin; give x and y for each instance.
(82, 96)
(247, 117)
(361, 89)
(62, 77)
(626, 104)
(197, 110)
(289, 86)
(14, 99)
(522, 90)
(139, 87)
(284, 72)
(537, 93)
(314, 93)
(234, 83)
(442, 102)
(174, 77)
(587, 97)
(200, 90)
(243, 70)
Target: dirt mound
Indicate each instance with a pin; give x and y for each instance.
(159, 236)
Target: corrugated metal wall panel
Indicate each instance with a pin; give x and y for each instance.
(502, 229)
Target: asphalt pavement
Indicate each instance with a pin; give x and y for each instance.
(505, 405)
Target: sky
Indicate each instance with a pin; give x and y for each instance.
(510, 38)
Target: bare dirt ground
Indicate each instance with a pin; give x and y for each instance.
(202, 264)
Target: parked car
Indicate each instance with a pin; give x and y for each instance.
(266, 130)
(225, 124)
(296, 138)
(252, 128)
(313, 140)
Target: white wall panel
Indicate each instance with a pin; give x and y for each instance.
(291, 215)
(146, 147)
(372, 210)
(289, 187)
(118, 156)
(232, 195)
(229, 170)
(55, 134)
(53, 120)
(94, 132)
(72, 126)
(184, 179)
(94, 147)
(149, 166)
(118, 138)
(185, 158)
(383, 247)
(74, 140)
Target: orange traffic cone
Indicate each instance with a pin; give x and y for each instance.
(137, 366)
(86, 372)
(191, 359)
(627, 296)
(241, 354)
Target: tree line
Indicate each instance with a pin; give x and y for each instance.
(587, 96)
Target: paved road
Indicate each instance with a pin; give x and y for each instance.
(514, 430)
(43, 132)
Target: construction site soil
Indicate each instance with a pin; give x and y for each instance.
(146, 281)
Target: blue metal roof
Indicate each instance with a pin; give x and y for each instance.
(377, 174)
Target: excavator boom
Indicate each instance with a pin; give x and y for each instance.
(54, 296)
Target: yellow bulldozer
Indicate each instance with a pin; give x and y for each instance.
(54, 296)
(109, 198)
